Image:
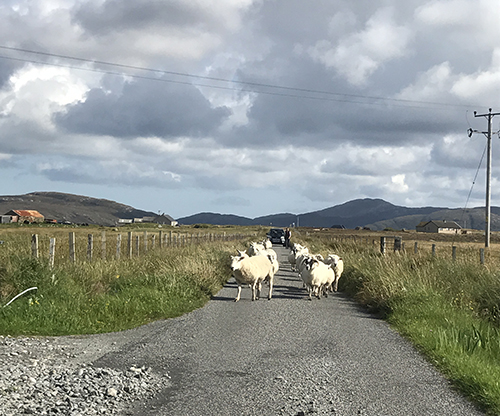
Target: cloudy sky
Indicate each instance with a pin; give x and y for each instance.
(249, 107)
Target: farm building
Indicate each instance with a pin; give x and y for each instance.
(25, 216)
(165, 219)
(159, 219)
(446, 227)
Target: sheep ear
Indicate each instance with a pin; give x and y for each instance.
(241, 253)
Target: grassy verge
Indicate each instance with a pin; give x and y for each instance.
(449, 310)
(104, 296)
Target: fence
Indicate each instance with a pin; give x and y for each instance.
(397, 245)
(136, 244)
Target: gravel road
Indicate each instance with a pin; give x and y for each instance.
(287, 356)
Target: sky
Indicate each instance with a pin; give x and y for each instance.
(250, 107)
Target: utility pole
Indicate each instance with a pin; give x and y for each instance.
(489, 116)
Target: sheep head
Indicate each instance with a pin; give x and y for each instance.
(236, 260)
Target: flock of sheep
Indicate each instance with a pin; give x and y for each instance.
(259, 263)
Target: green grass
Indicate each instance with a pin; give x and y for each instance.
(103, 296)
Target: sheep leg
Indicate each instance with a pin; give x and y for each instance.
(254, 289)
(259, 288)
(270, 295)
(317, 292)
(237, 298)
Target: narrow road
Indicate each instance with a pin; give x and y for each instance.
(286, 356)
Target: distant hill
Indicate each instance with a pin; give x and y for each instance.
(73, 208)
(473, 218)
(376, 214)
(359, 212)
(215, 219)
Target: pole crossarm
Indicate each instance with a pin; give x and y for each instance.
(489, 116)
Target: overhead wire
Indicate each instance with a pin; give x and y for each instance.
(471, 188)
(292, 92)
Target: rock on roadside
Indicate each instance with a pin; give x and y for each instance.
(44, 376)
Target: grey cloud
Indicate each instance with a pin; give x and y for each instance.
(7, 68)
(228, 200)
(80, 171)
(117, 15)
(144, 108)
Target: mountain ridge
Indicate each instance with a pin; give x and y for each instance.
(374, 213)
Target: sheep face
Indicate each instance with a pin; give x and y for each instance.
(310, 263)
(236, 260)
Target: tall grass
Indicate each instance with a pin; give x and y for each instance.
(102, 296)
(448, 309)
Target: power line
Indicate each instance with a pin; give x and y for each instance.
(325, 95)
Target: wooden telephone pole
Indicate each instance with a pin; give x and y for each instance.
(489, 116)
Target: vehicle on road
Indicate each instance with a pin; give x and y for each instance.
(276, 235)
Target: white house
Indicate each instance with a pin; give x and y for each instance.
(433, 226)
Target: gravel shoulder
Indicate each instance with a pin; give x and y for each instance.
(287, 356)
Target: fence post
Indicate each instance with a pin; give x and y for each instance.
(103, 245)
(160, 240)
(72, 245)
(397, 244)
(434, 250)
(454, 253)
(118, 246)
(382, 245)
(153, 241)
(90, 247)
(145, 242)
(52, 252)
(129, 246)
(34, 246)
(415, 249)
(481, 255)
(137, 245)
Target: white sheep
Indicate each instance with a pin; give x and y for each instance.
(317, 276)
(255, 248)
(252, 271)
(337, 265)
(296, 251)
(259, 249)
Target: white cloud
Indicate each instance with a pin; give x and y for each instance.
(447, 12)
(398, 184)
(482, 85)
(358, 55)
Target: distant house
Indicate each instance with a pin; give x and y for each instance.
(25, 216)
(446, 227)
(165, 219)
(159, 219)
(5, 219)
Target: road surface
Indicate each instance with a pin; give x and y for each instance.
(286, 356)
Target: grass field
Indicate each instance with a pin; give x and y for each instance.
(89, 296)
